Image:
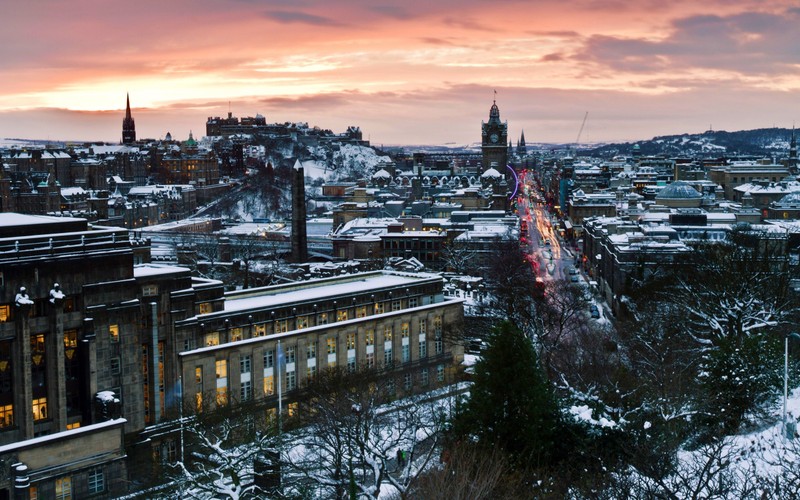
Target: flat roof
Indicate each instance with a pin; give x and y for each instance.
(323, 289)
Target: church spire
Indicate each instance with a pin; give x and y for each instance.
(128, 125)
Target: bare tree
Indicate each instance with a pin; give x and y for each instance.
(468, 473)
(561, 316)
(221, 449)
(354, 441)
(461, 258)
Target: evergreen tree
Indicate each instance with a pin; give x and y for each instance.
(511, 404)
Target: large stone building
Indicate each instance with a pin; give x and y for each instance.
(100, 350)
(69, 329)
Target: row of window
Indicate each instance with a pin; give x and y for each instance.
(290, 357)
(96, 483)
(302, 321)
(39, 309)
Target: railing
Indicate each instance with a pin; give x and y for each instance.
(65, 243)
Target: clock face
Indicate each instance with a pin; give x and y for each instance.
(494, 137)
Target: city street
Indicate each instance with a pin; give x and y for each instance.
(542, 242)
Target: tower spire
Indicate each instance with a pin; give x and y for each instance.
(128, 125)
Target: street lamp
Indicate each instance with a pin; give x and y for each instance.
(786, 375)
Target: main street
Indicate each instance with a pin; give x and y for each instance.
(542, 244)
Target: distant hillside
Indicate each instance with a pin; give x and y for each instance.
(759, 142)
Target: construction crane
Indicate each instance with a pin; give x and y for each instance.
(583, 124)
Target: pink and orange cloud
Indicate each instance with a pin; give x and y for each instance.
(407, 73)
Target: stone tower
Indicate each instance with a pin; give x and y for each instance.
(299, 235)
(128, 125)
(494, 134)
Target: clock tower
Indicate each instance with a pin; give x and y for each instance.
(494, 138)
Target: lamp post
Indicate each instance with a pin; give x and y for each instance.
(786, 375)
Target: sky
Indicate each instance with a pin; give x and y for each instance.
(410, 72)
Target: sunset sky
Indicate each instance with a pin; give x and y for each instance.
(410, 72)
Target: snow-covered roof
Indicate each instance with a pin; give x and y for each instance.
(147, 270)
(272, 297)
(491, 172)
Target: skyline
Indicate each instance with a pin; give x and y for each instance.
(420, 73)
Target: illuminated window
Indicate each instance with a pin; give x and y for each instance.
(351, 341)
(361, 311)
(70, 339)
(5, 313)
(198, 377)
(331, 343)
(323, 319)
(6, 416)
(269, 385)
(369, 337)
(379, 308)
(64, 488)
(113, 332)
(205, 307)
(292, 409)
(259, 330)
(341, 315)
(236, 334)
(211, 339)
(222, 396)
(387, 334)
(302, 322)
(40, 409)
(222, 368)
(281, 326)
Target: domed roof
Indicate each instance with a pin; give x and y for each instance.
(382, 173)
(679, 190)
(491, 172)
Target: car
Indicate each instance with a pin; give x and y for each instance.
(594, 311)
(573, 271)
(573, 278)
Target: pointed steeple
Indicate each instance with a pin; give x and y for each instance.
(793, 153)
(522, 149)
(128, 125)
